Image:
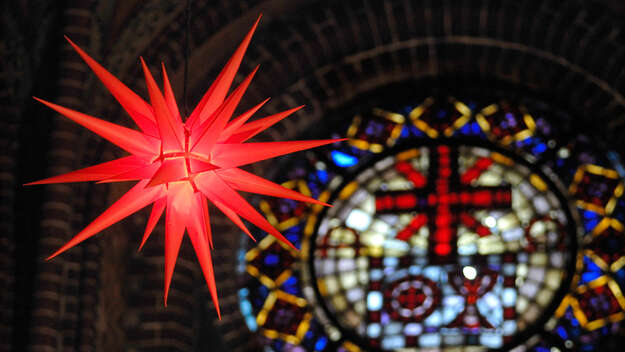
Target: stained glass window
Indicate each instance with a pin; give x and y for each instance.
(455, 226)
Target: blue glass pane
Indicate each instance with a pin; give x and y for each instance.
(343, 160)
(592, 271)
(321, 343)
(590, 219)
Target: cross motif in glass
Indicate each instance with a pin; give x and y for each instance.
(443, 200)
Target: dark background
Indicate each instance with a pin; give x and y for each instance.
(104, 296)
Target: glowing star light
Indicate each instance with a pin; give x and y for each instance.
(181, 165)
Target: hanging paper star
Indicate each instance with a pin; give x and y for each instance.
(181, 165)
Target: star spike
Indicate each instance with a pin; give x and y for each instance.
(239, 121)
(197, 232)
(134, 200)
(219, 89)
(206, 218)
(170, 99)
(175, 218)
(139, 173)
(94, 173)
(232, 215)
(136, 107)
(242, 180)
(155, 215)
(213, 127)
(170, 129)
(236, 154)
(214, 187)
(253, 128)
(131, 141)
(179, 177)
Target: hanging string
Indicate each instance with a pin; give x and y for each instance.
(185, 106)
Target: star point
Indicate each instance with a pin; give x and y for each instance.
(180, 166)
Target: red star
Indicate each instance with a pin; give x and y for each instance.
(181, 165)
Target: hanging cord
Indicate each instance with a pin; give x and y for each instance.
(185, 105)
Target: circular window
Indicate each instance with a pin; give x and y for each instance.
(444, 244)
(456, 226)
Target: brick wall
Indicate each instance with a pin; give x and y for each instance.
(66, 284)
